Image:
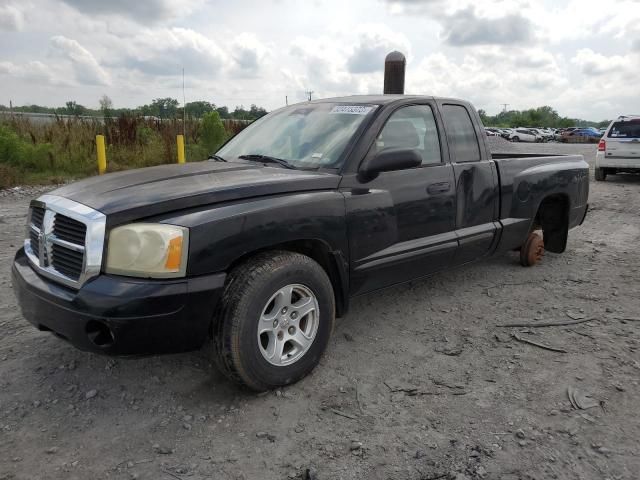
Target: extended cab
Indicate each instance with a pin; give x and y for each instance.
(262, 246)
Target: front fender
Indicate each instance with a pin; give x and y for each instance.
(221, 234)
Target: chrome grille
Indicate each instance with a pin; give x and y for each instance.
(37, 216)
(35, 242)
(67, 249)
(65, 240)
(68, 229)
(66, 261)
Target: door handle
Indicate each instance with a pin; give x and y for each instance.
(437, 188)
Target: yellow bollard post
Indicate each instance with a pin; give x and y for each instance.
(180, 141)
(102, 154)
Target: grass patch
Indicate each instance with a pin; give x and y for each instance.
(43, 153)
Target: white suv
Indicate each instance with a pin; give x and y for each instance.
(619, 148)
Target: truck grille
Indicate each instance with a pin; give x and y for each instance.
(69, 230)
(65, 240)
(66, 261)
(37, 216)
(37, 219)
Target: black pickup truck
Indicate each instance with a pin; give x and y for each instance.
(260, 247)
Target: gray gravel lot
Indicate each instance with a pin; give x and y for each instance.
(418, 381)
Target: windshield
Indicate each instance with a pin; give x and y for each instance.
(310, 135)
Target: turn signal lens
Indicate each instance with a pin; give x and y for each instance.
(175, 254)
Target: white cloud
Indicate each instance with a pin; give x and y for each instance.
(86, 68)
(143, 11)
(32, 72)
(487, 81)
(322, 66)
(164, 52)
(467, 27)
(374, 42)
(578, 56)
(11, 18)
(520, 57)
(584, 19)
(592, 63)
(249, 54)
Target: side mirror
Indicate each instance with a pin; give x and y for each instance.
(389, 160)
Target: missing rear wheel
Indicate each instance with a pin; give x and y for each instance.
(533, 250)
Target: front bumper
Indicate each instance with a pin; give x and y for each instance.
(119, 315)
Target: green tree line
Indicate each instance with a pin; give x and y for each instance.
(165, 108)
(536, 117)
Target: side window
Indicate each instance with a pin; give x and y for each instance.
(461, 134)
(412, 127)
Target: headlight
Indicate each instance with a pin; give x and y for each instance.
(151, 250)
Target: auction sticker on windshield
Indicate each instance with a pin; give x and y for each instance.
(352, 109)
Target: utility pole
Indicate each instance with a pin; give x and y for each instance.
(286, 100)
(504, 105)
(309, 92)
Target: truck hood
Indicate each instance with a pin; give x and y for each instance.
(135, 194)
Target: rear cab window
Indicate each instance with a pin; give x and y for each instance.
(630, 129)
(462, 137)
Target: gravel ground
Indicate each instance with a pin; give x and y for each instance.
(418, 381)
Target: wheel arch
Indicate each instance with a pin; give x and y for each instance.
(332, 262)
(552, 216)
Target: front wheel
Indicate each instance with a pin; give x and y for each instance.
(600, 174)
(275, 321)
(515, 139)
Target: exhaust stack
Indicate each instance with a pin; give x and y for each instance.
(394, 67)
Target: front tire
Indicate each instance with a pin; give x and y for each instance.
(515, 139)
(600, 174)
(275, 321)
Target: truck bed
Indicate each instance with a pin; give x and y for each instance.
(525, 179)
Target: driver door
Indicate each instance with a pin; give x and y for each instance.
(401, 224)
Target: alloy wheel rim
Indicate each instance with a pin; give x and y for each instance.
(288, 325)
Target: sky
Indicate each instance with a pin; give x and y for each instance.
(580, 57)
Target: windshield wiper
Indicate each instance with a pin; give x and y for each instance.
(267, 159)
(216, 158)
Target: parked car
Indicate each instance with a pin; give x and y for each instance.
(544, 136)
(506, 133)
(524, 135)
(581, 135)
(491, 132)
(619, 148)
(548, 133)
(261, 247)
